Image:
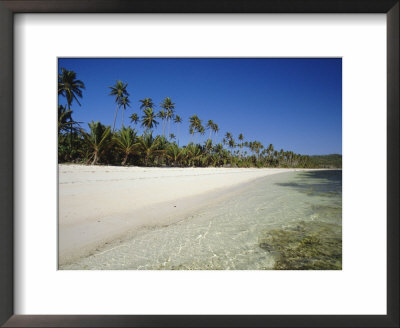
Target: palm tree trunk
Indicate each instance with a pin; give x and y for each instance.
(122, 121)
(70, 134)
(125, 159)
(115, 117)
(95, 159)
(70, 141)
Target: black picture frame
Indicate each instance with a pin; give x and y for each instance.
(10, 7)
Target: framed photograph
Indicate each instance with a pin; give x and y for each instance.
(152, 186)
(219, 164)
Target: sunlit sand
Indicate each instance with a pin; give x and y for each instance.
(98, 204)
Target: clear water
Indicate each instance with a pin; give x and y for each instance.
(226, 235)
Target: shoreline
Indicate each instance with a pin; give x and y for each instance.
(99, 204)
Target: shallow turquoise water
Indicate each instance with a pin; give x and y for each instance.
(226, 235)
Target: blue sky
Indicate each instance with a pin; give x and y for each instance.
(295, 104)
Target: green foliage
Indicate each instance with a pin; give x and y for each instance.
(69, 87)
(97, 141)
(150, 147)
(149, 119)
(126, 147)
(65, 121)
(327, 161)
(125, 142)
(119, 91)
(146, 103)
(175, 154)
(134, 118)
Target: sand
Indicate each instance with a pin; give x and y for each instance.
(98, 204)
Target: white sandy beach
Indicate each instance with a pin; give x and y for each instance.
(98, 204)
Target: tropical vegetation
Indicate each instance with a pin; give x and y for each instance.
(101, 144)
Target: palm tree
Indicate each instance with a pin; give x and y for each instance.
(119, 91)
(193, 153)
(169, 116)
(241, 138)
(168, 106)
(209, 126)
(167, 103)
(290, 156)
(162, 146)
(174, 153)
(172, 136)
(65, 124)
(191, 132)
(228, 136)
(146, 102)
(134, 118)
(124, 102)
(163, 115)
(281, 156)
(270, 150)
(276, 159)
(149, 119)
(257, 146)
(231, 143)
(70, 88)
(194, 124)
(64, 119)
(218, 148)
(178, 120)
(125, 141)
(215, 128)
(149, 147)
(98, 140)
(200, 129)
(208, 146)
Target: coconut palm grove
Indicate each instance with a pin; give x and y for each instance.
(146, 133)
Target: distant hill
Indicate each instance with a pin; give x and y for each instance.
(327, 161)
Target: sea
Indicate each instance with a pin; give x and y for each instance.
(286, 221)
